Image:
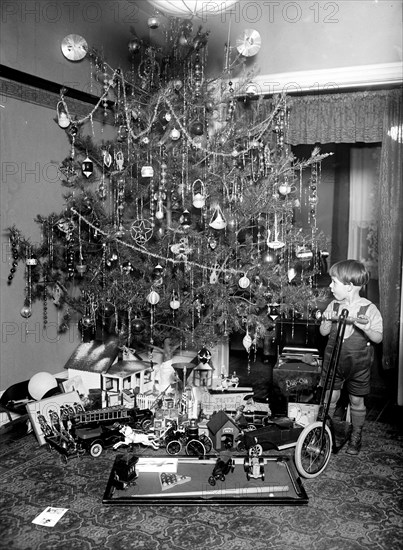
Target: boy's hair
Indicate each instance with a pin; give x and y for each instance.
(350, 271)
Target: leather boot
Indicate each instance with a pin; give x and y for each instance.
(354, 444)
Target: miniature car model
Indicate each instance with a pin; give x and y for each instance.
(95, 440)
(279, 434)
(254, 467)
(124, 471)
(221, 469)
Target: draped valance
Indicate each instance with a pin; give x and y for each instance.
(338, 118)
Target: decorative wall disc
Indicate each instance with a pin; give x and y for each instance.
(249, 43)
(74, 47)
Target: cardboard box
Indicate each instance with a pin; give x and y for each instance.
(303, 413)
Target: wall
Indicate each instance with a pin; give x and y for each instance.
(32, 145)
(296, 35)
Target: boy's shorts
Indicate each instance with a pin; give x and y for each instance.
(354, 371)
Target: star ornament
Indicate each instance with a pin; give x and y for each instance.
(141, 231)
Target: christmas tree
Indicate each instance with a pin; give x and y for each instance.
(183, 226)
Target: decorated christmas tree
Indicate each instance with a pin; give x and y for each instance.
(182, 227)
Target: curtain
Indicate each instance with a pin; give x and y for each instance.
(337, 118)
(390, 233)
(363, 219)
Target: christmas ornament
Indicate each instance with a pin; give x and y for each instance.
(204, 355)
(178, 84)
(174, 303)
(197, 128)
(141, 231)
(214, 275)
(127, 268)
(217, 219)
(181, 249)
(134, 45)
(138, 325)
(244, 282)
(249, 43)
(74, 47)
(63, 117)
(153, 22)
(247, 342)
(199, 199)
(147, 172)
(186, 219)
(107, 158)
(107, 309)
(119, 160)
(212, 242)
(26, 312)
(285, 189)
(303, 253)
(153, 298)
(175, 134)
(157, 271)
(87, 167)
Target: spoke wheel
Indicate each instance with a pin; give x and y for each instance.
(96, 449)
(145, 425)
(208, 444)
(256, 450)
(195, 448)
(173, 447)
(312, 451)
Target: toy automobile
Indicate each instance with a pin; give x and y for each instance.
(95, 440)
(124, 471)
(221, 469)
(254, 467)
(279, 434)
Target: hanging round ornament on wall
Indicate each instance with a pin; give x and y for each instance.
(74, 47)
(249, 43)
(87, 167)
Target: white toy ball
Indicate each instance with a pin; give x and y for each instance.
(40, 384)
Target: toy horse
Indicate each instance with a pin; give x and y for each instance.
(132, 437)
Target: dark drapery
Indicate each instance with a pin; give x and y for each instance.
(337, 118)
(366, 117)
(390, 232)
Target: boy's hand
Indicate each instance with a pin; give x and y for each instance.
(362, 322)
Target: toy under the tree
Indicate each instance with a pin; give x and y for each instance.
(199, 185)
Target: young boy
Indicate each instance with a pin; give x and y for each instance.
(364, 327)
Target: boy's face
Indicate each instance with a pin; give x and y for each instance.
(339, 289)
